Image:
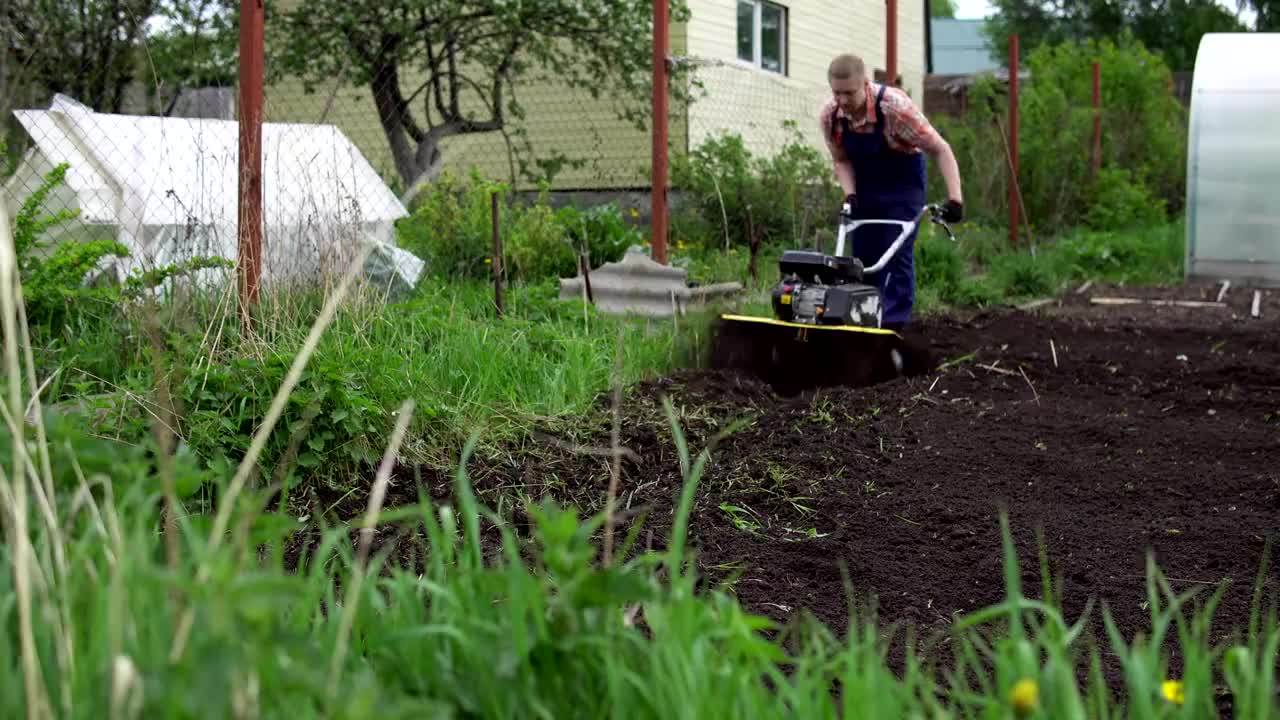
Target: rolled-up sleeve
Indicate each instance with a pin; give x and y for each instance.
(909, 126)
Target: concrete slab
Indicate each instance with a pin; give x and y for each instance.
(639, 285)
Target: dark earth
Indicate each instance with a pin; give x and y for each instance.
(1116, 431)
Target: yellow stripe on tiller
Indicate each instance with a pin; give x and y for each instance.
(802, 326)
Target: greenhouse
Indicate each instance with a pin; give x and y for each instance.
(1233, 160)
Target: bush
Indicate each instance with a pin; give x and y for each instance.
(452, 231)
(1143, 140)
(1119, 201)
(731, 193)
(1022, 275)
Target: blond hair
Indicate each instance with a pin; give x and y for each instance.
(846, 66)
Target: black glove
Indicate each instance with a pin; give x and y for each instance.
(952, 212)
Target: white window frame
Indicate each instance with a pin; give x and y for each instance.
(757, 34)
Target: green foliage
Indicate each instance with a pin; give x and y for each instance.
(443, 347)
(980, 270)
(1022, 275)
(54, 275)
(1152, 255)
(1119, 200)
(731, 195)
(286, 617)
(75, 452)
(1169, 28)
(452, 231)
(195, 47)
(1143, 140)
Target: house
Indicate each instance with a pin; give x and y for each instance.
(762, 62)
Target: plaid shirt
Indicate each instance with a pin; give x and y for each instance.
(906, 128)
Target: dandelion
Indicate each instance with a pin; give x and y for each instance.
(1025, 696)
(488, 261)
(1172, 691)
(635, 213)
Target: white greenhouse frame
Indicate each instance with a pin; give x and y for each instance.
(1233, 160)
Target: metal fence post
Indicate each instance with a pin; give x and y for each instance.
(249, 230)
(659, 191)
(1013, 140)
(1097, 118)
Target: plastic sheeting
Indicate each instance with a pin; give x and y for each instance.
(1233, 159)
(167, 188)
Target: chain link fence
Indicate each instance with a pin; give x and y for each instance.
(151, 149)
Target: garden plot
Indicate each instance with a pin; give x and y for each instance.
(1114, 430)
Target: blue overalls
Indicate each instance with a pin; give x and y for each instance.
(890, 186)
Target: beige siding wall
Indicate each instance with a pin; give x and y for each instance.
(756, 103)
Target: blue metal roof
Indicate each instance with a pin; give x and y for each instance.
(959, 47)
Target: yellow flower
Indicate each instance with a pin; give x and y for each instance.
(488, 261)
(1025, 696)
(1172, 691)
(635, 212)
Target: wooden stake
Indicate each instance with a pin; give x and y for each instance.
(1033, 387)
(1053, 350)
(497, 255)
(1226, 285)
(994, 369)
(586, 276)
(1140, 301)
(1257, 304)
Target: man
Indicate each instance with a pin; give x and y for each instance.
(878, 140)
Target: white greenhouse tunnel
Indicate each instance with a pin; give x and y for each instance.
(1233, 160)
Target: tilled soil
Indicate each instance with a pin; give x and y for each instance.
(1113, 432)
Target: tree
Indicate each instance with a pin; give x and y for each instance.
(1267, 13)
(443, 68)
(83, 48)
(195, 47)
(942, 8)
(1169, 28)
(95, 50)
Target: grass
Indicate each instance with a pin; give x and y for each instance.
(117, 601)
(496, 625)
(546, 361)
(980, 269)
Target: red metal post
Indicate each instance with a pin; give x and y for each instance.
(249, 230)
(891, 41)
(1097, 118)
(1013, 140)
(660, 119)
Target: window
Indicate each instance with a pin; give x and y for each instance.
(762, 35)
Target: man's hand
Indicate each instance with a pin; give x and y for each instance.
(952, 212)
